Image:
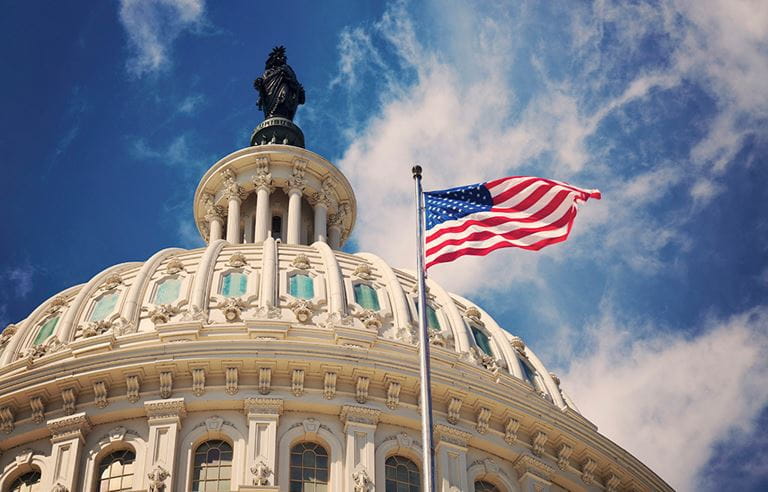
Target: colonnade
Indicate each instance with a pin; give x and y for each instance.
(239, 229)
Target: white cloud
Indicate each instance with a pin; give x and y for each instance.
(152, 26)
(191, 103)
(670, 399)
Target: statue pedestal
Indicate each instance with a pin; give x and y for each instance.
(278, 130)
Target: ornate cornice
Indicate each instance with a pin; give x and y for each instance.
(530, 464)
(69, 427)
(451, 435)
(359, 415)
(263, 406)
(173, 408)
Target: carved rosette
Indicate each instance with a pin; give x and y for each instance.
(163, 313)
(302, 308)
(232, 308)
(301, 261)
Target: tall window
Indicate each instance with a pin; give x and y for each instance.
(234, 284)
(46, 330)
(309, 468)
(213, 467)
(528, 373)
(29, 482)
(482, 486)
(116, 471)
(301, 286)
(167, 291)
(482, 341)
(401, 475)
(432, 322)
(366, 296)
(277, 227)
(104, 307)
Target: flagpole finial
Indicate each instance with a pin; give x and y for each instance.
(416, 170)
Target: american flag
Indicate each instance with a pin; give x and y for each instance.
(520, 211)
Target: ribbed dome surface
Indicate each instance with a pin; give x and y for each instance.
(264, 290)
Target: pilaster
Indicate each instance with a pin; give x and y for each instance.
(67, 437)
(533, 474)
(360, 460)
(451, 458)
(164, 418)
(263, 415)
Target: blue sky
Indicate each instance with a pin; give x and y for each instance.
(654, 313)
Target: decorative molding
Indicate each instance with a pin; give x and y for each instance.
(612, 482)
(518, 344)
(393, 395)
(454, 409)
(451, 435)
(57, 304)
(37, 404)
(163, 313)
(359, 415)
(24, 457)
(483, 418)
(363, 271)
(6, 420)
(166, 384)
(174, 265)
(111, 281)
(302, 308)
(484, 360)
(231, 381)
(473, 315)
(232, 307)
(214, 423)
(157, 410)
(510, 430)
(232, 190)
(301, 262)
(265, 380)
(237, 260)
(436, 338)
(297, 382)
(529, 464)
(588, 468)
(198, 381)
(564, 452)
(261, 473)
(100, 390)
(361, 481)
(133, 386)
(361, 389)
(297, 181)
(157, 479)
(538, 441)
(70, 427)
(329, 385)
(69, 398)
(370, 319)
(263, 177)
(263, 406)
(7, 334)
(59, 488)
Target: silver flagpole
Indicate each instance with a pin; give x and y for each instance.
(428, 451)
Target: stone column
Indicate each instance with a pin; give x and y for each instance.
(360, 463)
(451, 458)
(67, 436)
(248, 226)
(214, 216)
(533, 474)
(262, 182)
(335, 224)
(321, 214)
(164, 417)
(295, 189)
(234, 194)
(261, 456)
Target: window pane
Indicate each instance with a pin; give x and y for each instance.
(481, 486)
(401, 474)
(482, 341)
(104, 307)
(46, 330)
(213, 466)
(29, 482)
(301, 286)
(234, 284)
(527, 372)
(308, 467)
(115, 471)
(366, 296)
(167, 291)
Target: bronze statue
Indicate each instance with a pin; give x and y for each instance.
(280, 92)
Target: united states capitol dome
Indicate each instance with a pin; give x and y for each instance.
(272, 360)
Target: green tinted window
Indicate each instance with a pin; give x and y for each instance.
(167, 291)
(104, 307)
(301, 286)
(46, 330)
(482, 341)
(432, 322)
(366, 296)
(234, 284)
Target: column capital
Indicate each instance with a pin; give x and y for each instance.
(272, 407)
(353, 414)
(445, 434)
(263, 177)
(169, 410)
(297, 181)
(69, 427)
(337, 219)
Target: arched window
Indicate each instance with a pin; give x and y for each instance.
(213, 466)
(234, 284)
(366, 296)
(116, 471)
(401, 475)
(301, 286)
(482, 340)
(104, 307)
(46, 330)
(482, 486)
(309, 468)
(29, 482)
(167, 291)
